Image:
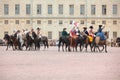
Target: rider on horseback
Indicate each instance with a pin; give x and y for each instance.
(78, 32)
(73, 33)
(91, 34)
(39, 34)
(85, 33)
(100, 33)
(20, 40)
(64, 33)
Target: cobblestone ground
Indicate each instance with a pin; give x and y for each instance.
(53, 65)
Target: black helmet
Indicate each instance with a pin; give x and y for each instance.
(91, 27)
(64, 29)
(84, 27)
(38, 28)
(100, 25)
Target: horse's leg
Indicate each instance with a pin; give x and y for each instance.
(76, 46)
(59, 44)
(44, 45)
(12, 47)
(63, 47)
(102, 48)
(7, 47)
(66, 48)
(69, 49)
(86, 47)
(80, 47)
(98, 48)
(105, 48)
(91, 47)
(94, 47)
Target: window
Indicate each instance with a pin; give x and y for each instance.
(60, 9)
(6, 22)
(27, 21)
(104, 10)
(93, 8)
(17, 22)
(82, 22)
(82, 9)
(28, 9)
(49, 21)
(39, 9)
(114, 22)
(93, 22)
(49, 9)
(6, 32)
(60, 22)
(103, 22)
(38, 21)
(6, 9)
(71, 9)
(17, 9)
(71, 21)
(50, 35)
(60, 33)
(114, 34)
(114, 9)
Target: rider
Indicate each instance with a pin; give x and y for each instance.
(15, 33)
(100, 33)
(39, 34)
(91, 34)
(77, 32)
(33, 34)
(85, 33)
(73, 32)
(64, 32)
(19, 38)
(64, 35)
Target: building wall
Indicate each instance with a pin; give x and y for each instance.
(55, 16)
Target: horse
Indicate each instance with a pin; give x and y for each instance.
(11, 41)
(64, 41)
(84, 39)
(15, 42)
(79, 41)
(8, 41)
(99, 42)
(43, 40)
(30, 41)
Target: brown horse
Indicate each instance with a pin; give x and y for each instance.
(73, 41)
(11, 41)
(103, 43)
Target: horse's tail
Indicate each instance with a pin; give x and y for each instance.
(60, 40)
(47, 43)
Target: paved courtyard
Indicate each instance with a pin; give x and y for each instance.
(53, 65)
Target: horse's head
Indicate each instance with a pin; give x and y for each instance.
(106, 34)
(6, 37)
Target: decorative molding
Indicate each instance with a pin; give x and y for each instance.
(59, 17)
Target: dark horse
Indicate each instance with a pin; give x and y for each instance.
(36, 41)
(29, 42)
(11, 41)
(43, 40)
(79, 41)
(64, 41)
